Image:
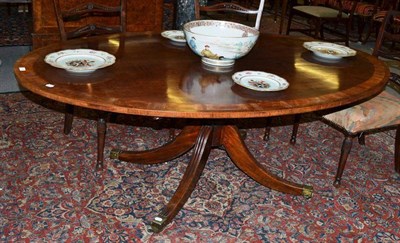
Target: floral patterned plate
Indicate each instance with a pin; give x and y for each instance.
(174, 35)
(80, 60)
(260, 81)
(329, 50)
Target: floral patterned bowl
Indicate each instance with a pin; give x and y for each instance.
(219, 43)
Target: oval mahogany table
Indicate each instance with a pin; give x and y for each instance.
(153, 76)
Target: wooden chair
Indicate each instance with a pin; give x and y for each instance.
(332, 12)
(86, 19)
(389, 31)
(363, 13)
(89, 19)
(381, 7)
(379, 113)
(231, 7)
(296, 123)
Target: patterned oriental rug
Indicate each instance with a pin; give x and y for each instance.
(50, 191)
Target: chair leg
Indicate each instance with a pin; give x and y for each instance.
(361, 138)
(347, 38)
(373, 28)
(267, 130)
(319, 30)
(368, 32)
(397, 151)
(276, 10)
(346, 147)
(101, 137)
(289, 23)
(171, 133)
(296, 123)
(284, 8)
(362, 21)
(69, 116)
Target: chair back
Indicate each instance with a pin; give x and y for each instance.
(231, 7)
(389, 34)
(89, 19)
(389, 31)
(381, 7)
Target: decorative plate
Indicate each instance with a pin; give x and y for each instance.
(174, 35)
(329, 50)
(260, 81)
(80, 60)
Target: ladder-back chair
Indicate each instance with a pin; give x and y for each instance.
(231, 7)
(89, 19)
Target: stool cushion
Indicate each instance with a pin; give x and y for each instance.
(380, 111)
(320, 11)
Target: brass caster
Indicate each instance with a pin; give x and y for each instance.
(158, 224)
(114, 154)
(308, 192)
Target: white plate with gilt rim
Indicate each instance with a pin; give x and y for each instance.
(80, 60)
(329, 50)
(174, 35)
(260, 81)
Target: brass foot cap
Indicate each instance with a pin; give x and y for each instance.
(114, 154)
(308, 191)
(158, 224)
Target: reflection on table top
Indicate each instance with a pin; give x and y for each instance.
(156, 77)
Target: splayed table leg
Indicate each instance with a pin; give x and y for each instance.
(203, 139)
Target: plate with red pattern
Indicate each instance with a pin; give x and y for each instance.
(174, 35)
(329, 50)
(260, 81)
(80, 60)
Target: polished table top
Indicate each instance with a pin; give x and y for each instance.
(153, 76)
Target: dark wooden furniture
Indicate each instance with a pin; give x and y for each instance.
(231, 7)
(83, 20)
(379, 113)
(318, 17)
(142, 15)
(381, 7)
(169, 80)
(73, 21)
(389, 36)
(375, 115)
(15, 1)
